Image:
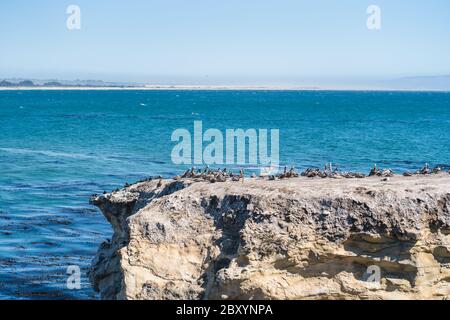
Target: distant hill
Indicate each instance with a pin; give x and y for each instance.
(26, 83)
(5, 83)
(23, 83)
(18, 82)
(53, 84)
(421, 83)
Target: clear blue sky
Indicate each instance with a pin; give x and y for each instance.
(149, 40)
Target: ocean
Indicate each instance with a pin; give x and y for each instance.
(59, 147)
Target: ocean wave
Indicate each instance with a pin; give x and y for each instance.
(48, 153)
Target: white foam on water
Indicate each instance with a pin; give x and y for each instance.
(54, 154)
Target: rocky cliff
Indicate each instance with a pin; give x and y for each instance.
(297, 238)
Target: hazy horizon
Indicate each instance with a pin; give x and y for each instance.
(425, 83)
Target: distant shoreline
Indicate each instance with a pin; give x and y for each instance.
(208, 88)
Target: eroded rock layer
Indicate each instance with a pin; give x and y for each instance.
(294, 238)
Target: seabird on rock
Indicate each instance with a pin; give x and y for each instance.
(425, 169)
(374, 171)
(186, 174)
(437, 170)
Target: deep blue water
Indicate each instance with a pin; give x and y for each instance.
(59, 147)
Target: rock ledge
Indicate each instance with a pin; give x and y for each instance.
(295, 238)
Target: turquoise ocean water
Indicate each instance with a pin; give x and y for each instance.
(59, 147)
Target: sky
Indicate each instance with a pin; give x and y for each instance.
(251, 41)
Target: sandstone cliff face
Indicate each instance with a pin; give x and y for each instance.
(294, 238)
